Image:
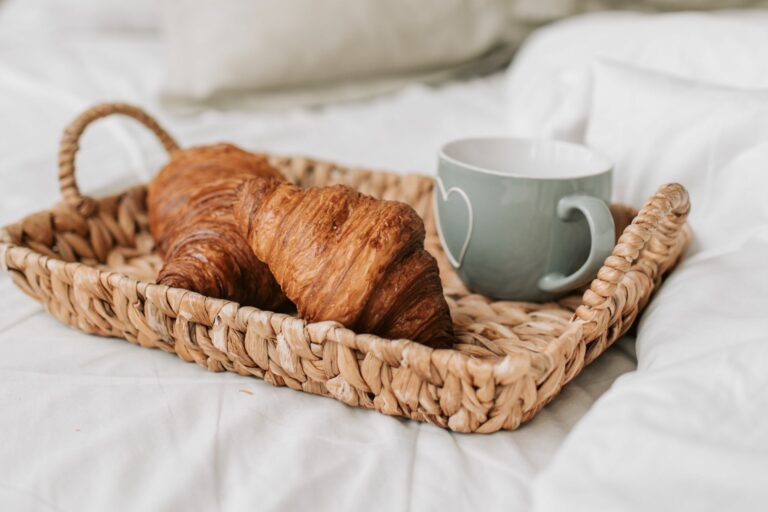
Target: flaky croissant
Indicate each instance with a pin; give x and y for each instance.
(340, 255)
(192, 222)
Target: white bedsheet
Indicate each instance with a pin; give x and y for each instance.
(688, 430)
(89, 423)
(98, 424)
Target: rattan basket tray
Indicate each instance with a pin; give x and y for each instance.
(91, 263)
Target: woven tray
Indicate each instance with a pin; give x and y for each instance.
(91, 263)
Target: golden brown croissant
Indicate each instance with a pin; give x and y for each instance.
(192, 222)
(340, 255)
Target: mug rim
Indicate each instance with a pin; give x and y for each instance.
(604, 164)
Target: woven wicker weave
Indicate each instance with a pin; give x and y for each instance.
(91, 263)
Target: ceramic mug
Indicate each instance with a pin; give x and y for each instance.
(523, 219)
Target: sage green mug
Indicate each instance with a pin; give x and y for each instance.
(523, 219)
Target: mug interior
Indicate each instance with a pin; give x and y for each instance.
(526, 158)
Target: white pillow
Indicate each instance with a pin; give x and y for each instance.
(549, 82)
(104, 15)
(712, 139)
(310, 51)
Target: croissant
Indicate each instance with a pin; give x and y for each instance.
(340, 255)
(192, 222)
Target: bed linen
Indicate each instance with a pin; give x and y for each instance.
(91, 423)
(98, 424)
(688, 430)
(670, 97)
(548, 89)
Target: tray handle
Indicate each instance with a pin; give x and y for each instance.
(653, 234)
(70, 144)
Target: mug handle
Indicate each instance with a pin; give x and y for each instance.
(602, 238)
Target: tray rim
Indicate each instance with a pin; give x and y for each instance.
(499, 363)
(9, 248)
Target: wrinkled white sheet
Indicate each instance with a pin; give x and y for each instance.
(688, 430)
(550, 85)
(98, 424)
